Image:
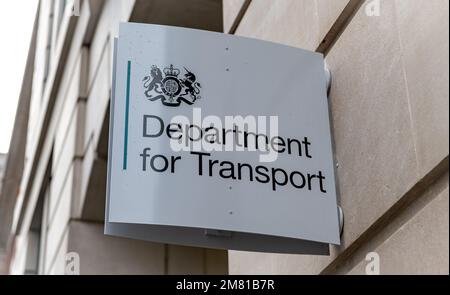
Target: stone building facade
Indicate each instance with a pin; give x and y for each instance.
(389, 111)
(389, 108)
(2, 167)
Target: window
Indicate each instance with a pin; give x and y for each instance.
(48, 47)
(36, 237)
(37, 234)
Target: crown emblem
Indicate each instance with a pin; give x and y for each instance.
(171, 71)
(165, 86)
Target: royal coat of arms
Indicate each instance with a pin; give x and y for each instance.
(171, 89)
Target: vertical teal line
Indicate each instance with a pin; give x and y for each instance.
(127, 107)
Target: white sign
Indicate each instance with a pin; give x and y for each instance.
(219, 141)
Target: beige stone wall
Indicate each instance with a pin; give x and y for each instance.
(100, 254)
(389, 108)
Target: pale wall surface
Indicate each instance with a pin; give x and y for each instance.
(300, 23)
(231, 9)
(403, 250)
(389, 108)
